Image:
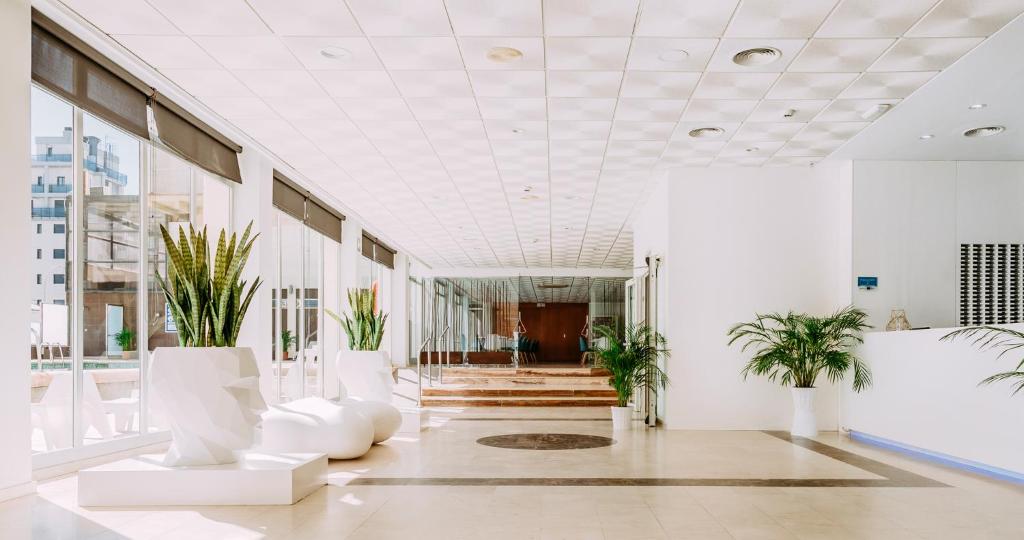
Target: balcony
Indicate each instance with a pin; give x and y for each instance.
(52, 157)
(54, 212)
(37, 188)
(58, 188)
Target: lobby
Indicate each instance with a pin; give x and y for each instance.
(576, 269)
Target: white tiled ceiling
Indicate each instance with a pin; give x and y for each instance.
(539, 161)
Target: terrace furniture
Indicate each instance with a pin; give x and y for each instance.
(316, 425)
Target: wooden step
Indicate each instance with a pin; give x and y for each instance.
(458, 391)
(601, 381)
(458, 371)
(518, 402)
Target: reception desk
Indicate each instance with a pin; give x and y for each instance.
(926, 400)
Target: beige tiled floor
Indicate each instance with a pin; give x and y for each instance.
(971, 508)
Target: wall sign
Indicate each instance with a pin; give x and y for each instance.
(169, 326)
(867, 282)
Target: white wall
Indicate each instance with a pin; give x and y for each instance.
(15, 423)
(909, 220)
(740, 241)
(926, 394)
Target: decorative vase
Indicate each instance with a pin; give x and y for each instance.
(897, 321)
(804, 422)
(622, 418)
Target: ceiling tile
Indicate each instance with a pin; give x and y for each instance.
(734, 85)
(649, 110)
(779, 18)
(475, 49)
(291, 107)
(137, 18)
(590, 18)
(231, 107)
(887, 84)
(658, 84)
(307, 17)
(751, 149)
(924, 54)
(204, 18)
(249, 52)
(375, 108)
(685, 18)
(401, 17)
(767, 131)
(839, 55)
(727, 49)
(169, 52)
(432, 83)
(370, 84)
(668, 54)
(418, 52)
(642, 131)
(496, 17)
(581, 108)
(357, 52)
(579, 130)
(793, 85)
(516, 130)
(208, 82)
(588, 84)
(850, 110)
(967, 18)
(607, 53)
(830, 131)
(873, 18)
(513, 108)
(444, 108)
(795, 110)
(718, 110)
(508, 83)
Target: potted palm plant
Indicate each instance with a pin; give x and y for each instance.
(125, 340)
(795, 348)
(287, 340)
(632, 361)
(1004, 340)
(364, 369)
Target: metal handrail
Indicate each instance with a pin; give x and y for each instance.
(448, 354)
(419, 372)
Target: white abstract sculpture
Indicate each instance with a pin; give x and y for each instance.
(367, 384)
(211, 400)
(317, 425)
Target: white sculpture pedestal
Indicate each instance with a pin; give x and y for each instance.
(255, 479)
(414, 419)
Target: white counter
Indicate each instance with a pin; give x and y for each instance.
(926, 396)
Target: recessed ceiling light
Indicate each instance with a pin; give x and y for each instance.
(976, 106)
(760, 56)
(673, 55)
(516, 130)
(926, 136)
(335, 53)
(876, 111)
(986, 131)
(527, 188)
(753, 149)
(504, 55)
(706, 132)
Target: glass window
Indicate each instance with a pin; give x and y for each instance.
(58, 228)
(39, 228)
(58, 279)
(59, 253)
(52, 379)
(110, 285)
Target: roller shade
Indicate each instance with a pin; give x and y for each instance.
(194, 140)
(75, 71)
(378, 251)
(295, 201)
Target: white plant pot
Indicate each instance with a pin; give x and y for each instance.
(365, 374)
(210, 398)
(622, 418)
(804, 422)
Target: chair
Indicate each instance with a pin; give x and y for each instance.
(54, 414)
(316, 425)
(54, 328)
(367, 384)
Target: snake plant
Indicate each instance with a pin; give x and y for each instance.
(365, 328)
(207, 306)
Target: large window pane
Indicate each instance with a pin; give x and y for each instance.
(50, 328)
(110, 295)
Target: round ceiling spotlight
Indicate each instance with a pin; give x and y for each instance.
(926, 136)
(336, 53)
(760, 56)
(706, 132)
(674, 55)
(517, 131)
(976, 106)
(986, 131)
(504, 55)
(753, 149)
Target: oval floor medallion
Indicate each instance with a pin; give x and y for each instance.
(546, 441)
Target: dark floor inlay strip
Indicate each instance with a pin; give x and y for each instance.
(896, 476)
(485, 419)
(629, 482)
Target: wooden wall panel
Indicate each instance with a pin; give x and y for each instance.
(557, 326)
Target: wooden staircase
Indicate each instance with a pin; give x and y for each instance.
(523, 387)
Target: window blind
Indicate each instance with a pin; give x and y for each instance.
(295, 201)
(376, 250)
(194, 140)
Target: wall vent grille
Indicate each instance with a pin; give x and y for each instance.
(991, 281)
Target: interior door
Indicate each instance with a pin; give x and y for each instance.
(115, 324)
